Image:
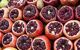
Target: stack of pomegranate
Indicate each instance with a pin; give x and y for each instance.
(40, 25)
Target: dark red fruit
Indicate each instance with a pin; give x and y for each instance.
(34, 28)
(77, 12)
(48, 13)
(4, 13)
(5, 25)
(31, 1)
(24, 42)
(18, 27)
(65, 14)
(50, 2)
(63, 44)
(41, 43)
(53, 29)
(72, 29)
(77, 44)
(9, 40)
(15, 14)
(69, 2)
(16, 3)
(1, 36)
(30, 12)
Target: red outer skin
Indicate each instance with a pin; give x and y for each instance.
(12, 43)
(51, 2)
(71, 17)
(66, 34)
(33, 17)
(69, 2)
(6, 11)
(50, 35)
(33, 2)
(78, 17)
(75, 47)
(19, 34)
(10, 25)
(45, 39)
(19, 14)
(1, 36)
(18, 39)
(38, 31)
(46, 21)
(55, 43)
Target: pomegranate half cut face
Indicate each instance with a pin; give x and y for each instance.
(48, 13)
(30, 12)
(72, 29)
(15, 14)
(4, 12)
(24, 42)
(63, 44)
(9, 40)
(5, 25)
(34, 28)
(65, 14)
(16, 3)
(54, 29)
(18, 27)
(41, 43)
(77, 44)
(77, 12)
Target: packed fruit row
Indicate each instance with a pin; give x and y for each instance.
(39, 25)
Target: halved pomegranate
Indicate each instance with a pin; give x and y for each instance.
(65, 14)
(63, 44)
(77, 44)
(9, 40)
(69, 2)
(16, 3)
(5, 25)
(31, 1)
(18, 27)
(10, 48)
(53, 29)
(30, 12)
(1, 36)
(77, 12)
(48, 13)
(15, 14)
(4, 13)
(24, 42)
(41, 43)
(34, 28)
(72, 29)
(50, 2)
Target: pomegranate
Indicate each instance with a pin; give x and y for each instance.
(9, 40)
(15, 14)
(63, 43)
(41, 43)
(24, 42)
(48, 13)
(65, 13)
(72, 29)
(34, 28)
(30, 12)
(54, 29)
